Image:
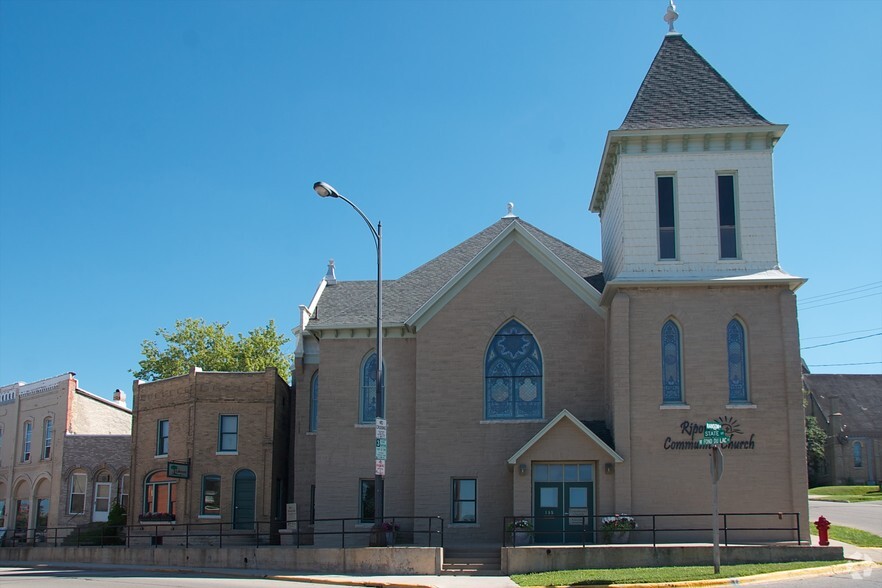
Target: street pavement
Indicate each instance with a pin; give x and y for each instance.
(866, 516)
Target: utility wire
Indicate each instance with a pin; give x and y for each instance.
(838, 342)
(838, 301)
(840, 334)
(838, 364)
(869, 286)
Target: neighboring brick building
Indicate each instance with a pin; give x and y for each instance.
(227, 433)
(525, 378)
(64, 454)
(848, 407)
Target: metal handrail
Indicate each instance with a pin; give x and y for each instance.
(589, 526)
(259, 532)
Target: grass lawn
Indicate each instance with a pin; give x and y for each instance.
(670, 574)
(845, 493)
(851, 536)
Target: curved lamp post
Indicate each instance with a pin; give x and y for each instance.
(325, 190)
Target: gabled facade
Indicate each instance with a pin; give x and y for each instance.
(524, 378)
(64, 456)
(848, 407)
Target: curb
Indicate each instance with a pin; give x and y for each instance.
(348, 582)
(770, 577)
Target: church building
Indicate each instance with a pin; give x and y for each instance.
(525, 379)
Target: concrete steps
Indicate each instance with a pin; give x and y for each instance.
(471, 562)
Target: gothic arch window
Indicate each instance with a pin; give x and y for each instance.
(313, 403)
(857, 450)
(672, 365)
(737, 359)
(513, 375)
(367, 412)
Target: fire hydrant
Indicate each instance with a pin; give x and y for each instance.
(822, 524)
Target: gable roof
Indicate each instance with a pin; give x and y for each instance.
(349, 304)
(682, 90)
(859, 400)
(565, 414)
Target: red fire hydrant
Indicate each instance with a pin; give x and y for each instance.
(822, 524)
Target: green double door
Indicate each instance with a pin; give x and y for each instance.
(563, 511)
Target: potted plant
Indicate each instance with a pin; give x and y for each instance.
(617, 528)
(521, 532)
(391, 530)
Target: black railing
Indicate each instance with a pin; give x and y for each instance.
(399, 531)
(588, 530)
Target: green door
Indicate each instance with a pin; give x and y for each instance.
(243, 500)
(579, 505)
(548, 509)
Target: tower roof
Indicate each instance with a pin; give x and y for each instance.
(682, 90)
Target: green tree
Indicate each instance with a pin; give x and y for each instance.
(193, 342)
(815, 441)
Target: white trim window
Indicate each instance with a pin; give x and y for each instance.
(77, 502)
(728, 216)
(26, 441)
(161, 437)
(47, 438)
(667, 217)
(228, 433)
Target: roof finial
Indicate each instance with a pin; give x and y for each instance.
(331, 276)
(670, 16)
(511, 213)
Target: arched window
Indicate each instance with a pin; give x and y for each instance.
(513, 375)
(160, 494)
(313, 403)
(368, 402)
(735, 348)
(858, 455)
(672, 379)
(47, 438)
(26, 441)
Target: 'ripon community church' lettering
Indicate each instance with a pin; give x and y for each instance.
(692, 430)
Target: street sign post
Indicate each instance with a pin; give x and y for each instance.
(714, 436)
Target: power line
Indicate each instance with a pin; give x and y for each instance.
(838, 342)
(869, 286)
(840, 334)
(838, 364)
(839, 301)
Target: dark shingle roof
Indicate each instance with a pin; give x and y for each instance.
(682, 90)
(355, 302)
(860, 400)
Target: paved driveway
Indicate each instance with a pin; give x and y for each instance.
(860, 515)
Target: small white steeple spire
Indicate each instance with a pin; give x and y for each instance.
(511, 213)
(331, 277)
(670, 16)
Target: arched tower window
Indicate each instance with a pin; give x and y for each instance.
(513, 375)
(368, 400)
(737, 358)
(672, 378)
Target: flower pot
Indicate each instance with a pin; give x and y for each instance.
(390, 538)
(521, 537)
(617, 536)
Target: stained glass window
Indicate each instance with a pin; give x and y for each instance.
(368, 409)
(513, 375)
(672, 382)
(737, 362)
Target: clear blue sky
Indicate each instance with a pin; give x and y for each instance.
(157, 157)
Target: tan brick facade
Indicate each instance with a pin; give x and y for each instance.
(90, 436)
(193, 406)
(600, 365)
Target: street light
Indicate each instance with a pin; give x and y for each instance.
(325, 190)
